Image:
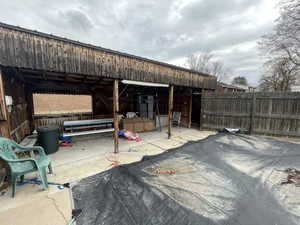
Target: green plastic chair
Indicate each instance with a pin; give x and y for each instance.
(21, 166)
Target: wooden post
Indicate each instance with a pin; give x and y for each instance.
(268, 121)
(30, 109)
(116, 113)
(2, 98)
(94, 105)
(190, 108)
(252, 114)
(5, 127)
(171, 91)
(201, 116)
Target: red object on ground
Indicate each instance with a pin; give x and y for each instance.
(65, 144)
(132, 136)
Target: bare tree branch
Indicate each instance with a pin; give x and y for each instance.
(282, 48)
(281, 75)
(205, 63)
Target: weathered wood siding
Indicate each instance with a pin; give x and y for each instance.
(4, 123)
(23, 48)
(182, 103)
(18, 117)
(272, 114)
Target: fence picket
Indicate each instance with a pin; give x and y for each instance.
(264, 113)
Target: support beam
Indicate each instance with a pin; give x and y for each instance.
(190, 109)
(30, 109)
(5, 128)
(171, 91)
(3, 109)
(116, 112)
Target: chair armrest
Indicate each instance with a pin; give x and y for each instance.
(32, 160)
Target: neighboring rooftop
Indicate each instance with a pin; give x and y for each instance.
(295, 88)
(231, 86)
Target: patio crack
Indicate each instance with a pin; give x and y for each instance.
(57, 208)
(155, 145)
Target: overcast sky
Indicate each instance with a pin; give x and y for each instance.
(164, 30)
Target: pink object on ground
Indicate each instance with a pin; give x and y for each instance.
(132, 136)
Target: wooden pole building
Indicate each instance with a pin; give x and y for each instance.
(171, 91)
(116, 113)
(35, 62)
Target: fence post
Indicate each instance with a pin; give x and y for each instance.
(202, 115)
(170, 108)
(252, 113)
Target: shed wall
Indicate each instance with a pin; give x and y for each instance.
(37, 51)
(18, 122)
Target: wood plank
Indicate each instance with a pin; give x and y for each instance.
(3, 109)
(88, 132)
(272, 113)
(170, 108)
(27, 49)
(252, 114)
(20, 126)
(87, 122)
(225, 114)
(30, 140)
(5, 126)
(190, 110)
(116, 115)
(85, 127)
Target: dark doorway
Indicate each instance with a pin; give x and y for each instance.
(196, 109)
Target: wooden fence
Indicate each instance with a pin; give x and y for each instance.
(260, 113)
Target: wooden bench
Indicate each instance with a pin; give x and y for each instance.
(29, 141)
(80, 127)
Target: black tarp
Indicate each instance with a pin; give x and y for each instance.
(224, 179)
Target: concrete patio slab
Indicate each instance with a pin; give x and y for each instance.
(89, 155)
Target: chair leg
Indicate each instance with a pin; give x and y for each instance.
(14, 184)
(22, 178)
(50, 169)
(43, 175)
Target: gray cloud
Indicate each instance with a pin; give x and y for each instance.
(162, 30)
(246, 63)
(76, 20)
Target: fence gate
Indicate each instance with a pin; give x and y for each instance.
(261, 113)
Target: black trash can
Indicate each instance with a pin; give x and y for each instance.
(48, 137)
